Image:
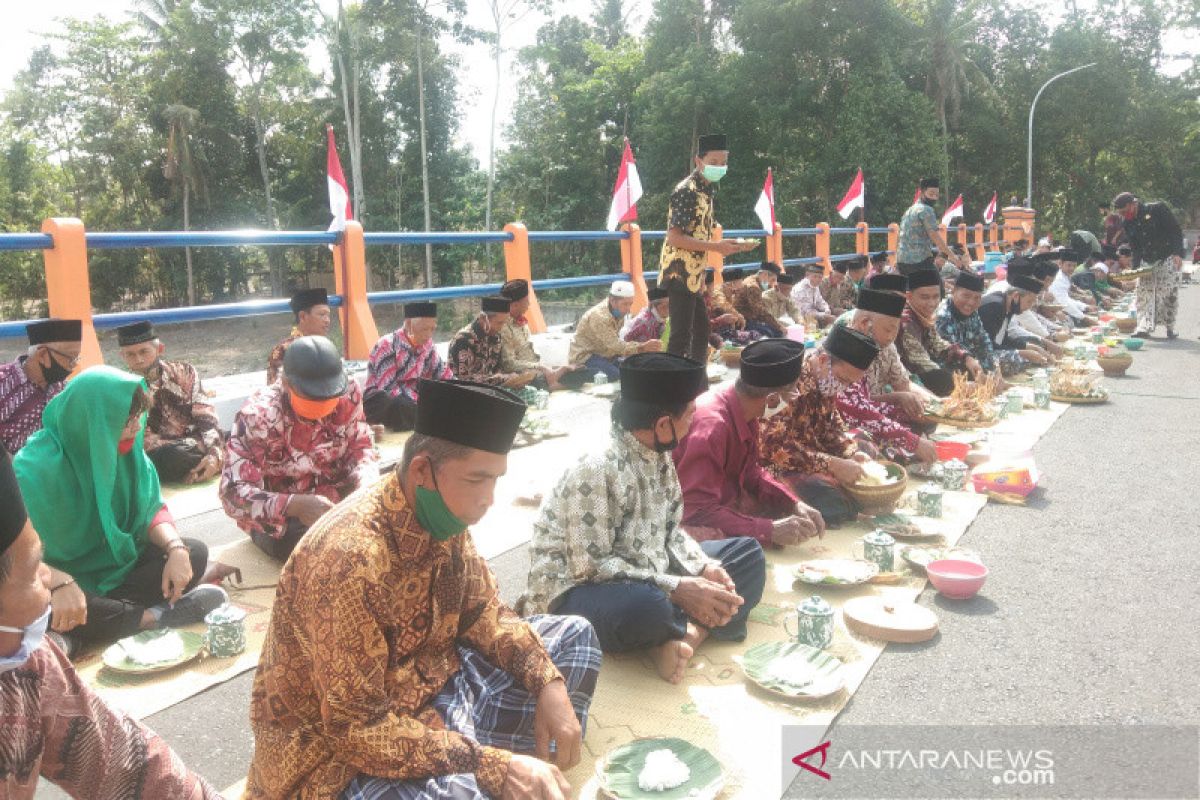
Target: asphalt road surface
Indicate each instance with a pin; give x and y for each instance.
(1088, 615)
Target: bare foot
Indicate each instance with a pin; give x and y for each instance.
(671, 659)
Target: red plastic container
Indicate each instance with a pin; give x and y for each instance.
(948, 451)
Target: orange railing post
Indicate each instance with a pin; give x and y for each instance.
(631, 264)
(68, 287)
(775, 245)
(350, 281)
(715, 259)
(517, 265)
(1019, 223)
(862, 239)
(980, 249)
(962, 238)
(823, 245)
(893, 242)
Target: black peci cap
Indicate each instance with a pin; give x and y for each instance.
(471, 414)
(662, 378)
(135, 333)
(54, 330)
(772, 363)
(304, 300)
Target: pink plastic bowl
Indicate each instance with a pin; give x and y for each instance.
(947, 451)
(955, 578)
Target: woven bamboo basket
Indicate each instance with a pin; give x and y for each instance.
(880, 499)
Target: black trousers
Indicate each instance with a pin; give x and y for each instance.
(397, 413)
(689, 322)
(908, 269)
(174, 460)
(119, 613)
(279, 549)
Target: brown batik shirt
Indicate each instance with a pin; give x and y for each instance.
(368, 615)
(691, 211)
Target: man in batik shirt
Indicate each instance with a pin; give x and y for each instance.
(650, 322)
(726, 490)
(475, 350)
(1154, 234)
(894, 432)
(597, 346)
(920, 244)
(687, 245)
(809, 446)
(183, 436)
(923, 351)
(391, 668)
(809, 300)
(748, 301)
(608, 545)
(32, 381)
(398, 362)
(297, 448)
(839, 291)
(779, 303)
(958, 322)
(313, 317)
(516, 345)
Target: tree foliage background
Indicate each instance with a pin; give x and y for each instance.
(95, 125)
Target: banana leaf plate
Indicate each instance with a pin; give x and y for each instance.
(817, 674)
(618, 771)
(116, 656)
(836, 571)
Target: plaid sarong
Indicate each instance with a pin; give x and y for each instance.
(482, 702)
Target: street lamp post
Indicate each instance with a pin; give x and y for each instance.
(1029, 153)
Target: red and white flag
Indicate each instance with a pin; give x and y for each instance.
(955, 211)
(765, 207)
(989, 213)
(856, 196)
(339, 192)
(626, 192)
(917, 196)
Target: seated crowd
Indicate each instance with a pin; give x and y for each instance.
(424, 683)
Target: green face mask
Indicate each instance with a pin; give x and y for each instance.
(714, 174)
(435, 516)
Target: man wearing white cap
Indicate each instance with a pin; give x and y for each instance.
(597, 346)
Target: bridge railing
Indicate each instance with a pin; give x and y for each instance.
(65, 244)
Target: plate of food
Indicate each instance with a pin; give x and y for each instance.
(793, 670)
(969, 404)
(1078, 385)
(752, 242)
(900, 526)
(662, 768)
(716, 372)
(153, 651)
(920, 556)
(836, 571)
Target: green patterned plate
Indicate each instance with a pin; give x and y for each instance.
(115, 657)
(618, 771)
(794, 670)
(836, 571)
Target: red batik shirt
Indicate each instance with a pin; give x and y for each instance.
(21, 404)
(272, 454)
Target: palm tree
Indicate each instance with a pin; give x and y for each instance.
(947, 32)
(181, 169)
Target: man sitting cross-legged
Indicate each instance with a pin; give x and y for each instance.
(183, 437)
(727, 492)
(391, 669)
(608, 544)
(297, 447)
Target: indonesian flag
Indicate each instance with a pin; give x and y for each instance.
(917, 195)
(954, 211)
(765, 207)
(626, 192)
(339, 193)
(855, 197)
(989, 213)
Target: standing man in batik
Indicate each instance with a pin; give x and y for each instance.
(1156, 239)
(688, 243)
(921, 245)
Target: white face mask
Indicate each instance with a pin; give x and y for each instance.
(31, 640)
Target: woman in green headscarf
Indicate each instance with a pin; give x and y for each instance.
(118, 564)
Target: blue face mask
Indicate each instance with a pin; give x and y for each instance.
(616, 314)
(31, 640)
(713, 174)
